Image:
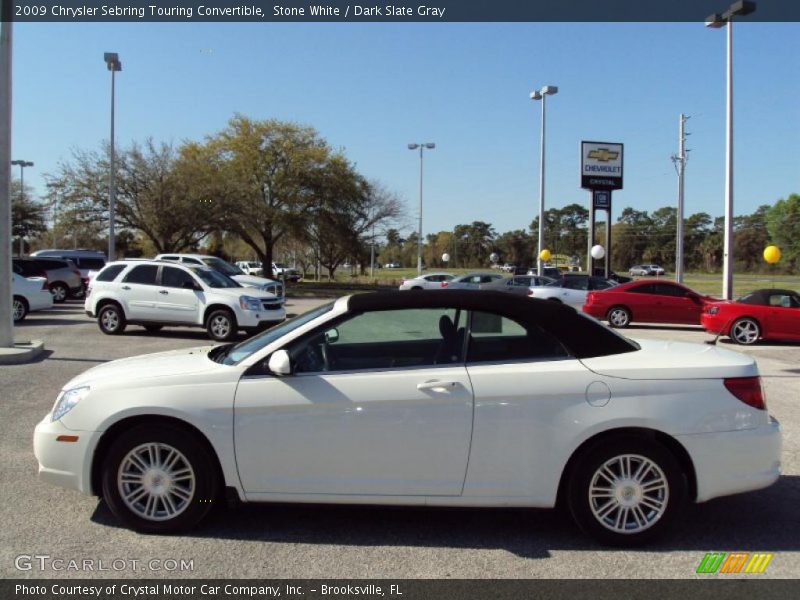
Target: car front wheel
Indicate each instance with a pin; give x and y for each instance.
(19, 309)
(221, 325)
(159, 479)
(626, 491)
(745, 331)
(111, 320)
(619, 316)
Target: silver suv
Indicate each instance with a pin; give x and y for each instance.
(63, 277)
(155, 294)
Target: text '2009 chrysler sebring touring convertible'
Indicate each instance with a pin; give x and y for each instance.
(448, 398)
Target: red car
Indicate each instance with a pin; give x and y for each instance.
(646, 301)
(764, 314)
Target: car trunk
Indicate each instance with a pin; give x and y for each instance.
(659, 359)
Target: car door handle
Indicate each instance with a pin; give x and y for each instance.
(437, 386)
(126, 287)
(163, 292)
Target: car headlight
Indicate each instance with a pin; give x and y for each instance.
(67, 399)
(249, 303)
(713, 310)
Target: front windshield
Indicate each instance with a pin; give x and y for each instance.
(244, 349)
(220, 265)
(214, 279)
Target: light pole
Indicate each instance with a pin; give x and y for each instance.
(715, 21)
(6, 320)
(114, 65)
(429, 146)
(21, 164)
(540, 95)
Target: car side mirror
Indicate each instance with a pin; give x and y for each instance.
(332, 335)
(280, 363)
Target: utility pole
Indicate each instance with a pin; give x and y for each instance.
(6, 319)
(679, 160)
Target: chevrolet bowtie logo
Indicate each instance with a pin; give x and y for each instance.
(603, 155)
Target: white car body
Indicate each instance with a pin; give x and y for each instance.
(29, 294)
(571, 296)
(496, 433)
(165, 305)
(235, 273)
(431, 281)
(250, 267)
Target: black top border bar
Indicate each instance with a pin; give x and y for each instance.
(396, 11)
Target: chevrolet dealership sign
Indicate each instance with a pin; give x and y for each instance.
(601, 166)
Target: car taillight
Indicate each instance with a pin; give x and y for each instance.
(589, 298)
(78, 273)
(530, 292)
(45, 286)
(444, 284)
(748, 390)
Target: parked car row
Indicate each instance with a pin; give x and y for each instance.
(29, 294)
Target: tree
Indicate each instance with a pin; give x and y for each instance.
(27, 215)
(153, 195)
(783, 225)
(266, 173)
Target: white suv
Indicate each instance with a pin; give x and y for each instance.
(155, 294)
(235, 273)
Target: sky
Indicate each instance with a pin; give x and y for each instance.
(372, 88)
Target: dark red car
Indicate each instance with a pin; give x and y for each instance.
(646, 301)
(768, 314)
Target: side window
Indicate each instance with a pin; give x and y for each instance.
(642, 289)
(387, 339)
(175, 258)
(110, 273)
(495, 338)
(600, 284)
(175, 278)
(664, 289)
(576, 283)
(145, 274)
(193, 261)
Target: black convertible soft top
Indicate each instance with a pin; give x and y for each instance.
(762, 296)
(581, 335)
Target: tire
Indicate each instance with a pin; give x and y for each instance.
(111, 320)
(153, 328)
(221, 325)
(60, 292)
(618, 316)
(635, 512)
(745, 331)
(555, 300)
(19, 309)
(150, 497)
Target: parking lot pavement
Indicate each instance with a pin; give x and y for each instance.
(347, 541)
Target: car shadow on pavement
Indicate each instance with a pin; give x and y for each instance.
(665, 327)
(766, 520)
(47, 321)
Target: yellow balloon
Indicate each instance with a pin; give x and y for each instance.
(772, 254)
(545, 255)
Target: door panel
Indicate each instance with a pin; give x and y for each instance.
(395, 432)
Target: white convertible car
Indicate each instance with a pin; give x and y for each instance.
(448, 398)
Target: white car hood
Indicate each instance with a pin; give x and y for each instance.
(252, 280)
(187, 361)
(659, 359)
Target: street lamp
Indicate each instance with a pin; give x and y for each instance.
(21, 164)
(715, 21)
(114, 65)
(540, 95)
(429, 146)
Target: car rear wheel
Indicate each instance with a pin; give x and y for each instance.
(159, 479)
(111, 320)
(60, 291)
(619, 316)
(19, 309)
(626, 491)
(745, 331)
(221, 325)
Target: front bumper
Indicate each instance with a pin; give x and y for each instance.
(732, 462)
(251, 319)
(66, 464)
